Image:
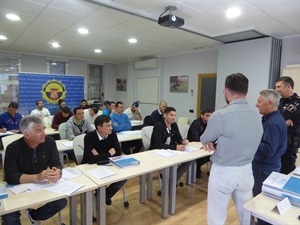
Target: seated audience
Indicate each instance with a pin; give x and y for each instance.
(166, 135)
(40, 110)
(111, 106)
(101, 144)
(77, 125)
(33, 159)
(61, 104)
(121, 122)
(61, 116)
(196, 129)
(157, 115)
(10, 120)
(134, 113)
(83, 104)
(91, 114)
(273, 143)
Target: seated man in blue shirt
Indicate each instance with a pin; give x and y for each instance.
(273, 143)
(10, 120)
(110, 108)
(121, 122)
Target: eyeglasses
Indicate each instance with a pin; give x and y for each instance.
(33, 156)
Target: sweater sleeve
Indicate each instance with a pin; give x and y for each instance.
(11, 173)
(55, 121)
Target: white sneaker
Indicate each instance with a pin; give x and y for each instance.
(32, 221)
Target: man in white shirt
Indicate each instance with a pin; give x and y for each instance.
(134, 113)
(40, 111)
(91, 114)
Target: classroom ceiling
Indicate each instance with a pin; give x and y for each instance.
(112, 22)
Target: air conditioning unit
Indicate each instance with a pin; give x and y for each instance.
(146, 64)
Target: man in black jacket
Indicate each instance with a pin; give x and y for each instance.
(157, 115)
(196, 129)
(101, 144)
(166, 135)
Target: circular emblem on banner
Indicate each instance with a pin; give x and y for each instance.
(53, 90)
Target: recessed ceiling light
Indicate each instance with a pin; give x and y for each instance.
(55, 45)
(12, 17)
(233, 12)
(2, 37)
(97, 50)
(83, 31)
(132, 40)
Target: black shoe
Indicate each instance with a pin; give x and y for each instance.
(108, 202)
(198, 176)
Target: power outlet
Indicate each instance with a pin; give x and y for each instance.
(191, 111)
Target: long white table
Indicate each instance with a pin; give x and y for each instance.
(149, 163)
(40, 197)
(262, 207)
(61, 148)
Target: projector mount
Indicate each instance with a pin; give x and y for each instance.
(170, 20)
(168, 8)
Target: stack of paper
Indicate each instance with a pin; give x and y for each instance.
(280, 186)
(101, 172)
(67, 144)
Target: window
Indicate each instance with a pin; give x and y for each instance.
(57, 67)
(95, 84)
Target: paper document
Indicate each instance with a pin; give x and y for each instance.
(190, 149)
(70, 173)
(166, 153)
(67, 144)
(131, 132)
(6, 133)
(17, 189)
(65, 187)
(276, 180)
(101, 172)
(297, 171)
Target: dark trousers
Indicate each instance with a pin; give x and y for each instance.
(288, 160)
(137, 145)
(182, 168)
(260, 172)
(200, 162)
(113, 188)
(43, 213)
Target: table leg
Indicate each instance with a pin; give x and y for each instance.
(149, 185)
(248, 218)
(87, 208)
(194, 171)
(101, 215)
(73, 209)
(189, 176)
(172, 197)
(165, 192)
(61, 157)
(142, 188)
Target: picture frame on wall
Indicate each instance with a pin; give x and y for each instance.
(121, 84)
(179, 84)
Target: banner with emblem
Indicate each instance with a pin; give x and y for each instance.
(49, 88)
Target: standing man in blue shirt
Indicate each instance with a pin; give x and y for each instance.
(289, 108)
(273, 143)
(120, 122)
(10, 120)
(233, 133)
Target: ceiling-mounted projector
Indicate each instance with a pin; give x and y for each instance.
(170, 20)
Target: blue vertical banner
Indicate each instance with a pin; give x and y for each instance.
(49, 88)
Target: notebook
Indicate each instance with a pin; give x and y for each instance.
(125, 161)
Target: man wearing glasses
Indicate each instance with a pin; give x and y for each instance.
(33, 159)
(166, 135)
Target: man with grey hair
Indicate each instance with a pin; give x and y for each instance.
(33, 159)
(273, 142)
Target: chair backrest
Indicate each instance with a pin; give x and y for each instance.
(6, 141)
(146, 133)
(146, 121)
(183, 130)
(78, 145)
(62, 129)
(48, 121)
(183, 120)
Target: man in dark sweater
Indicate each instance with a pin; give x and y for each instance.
(101, 144)
(61, 117)
(166, 135)
(196, 129)
(157, 115)
(26, 161)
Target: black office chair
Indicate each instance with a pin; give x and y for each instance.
(146, 121)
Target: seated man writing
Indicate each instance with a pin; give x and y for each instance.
(32, 159)
(101, 144)
(166, 135)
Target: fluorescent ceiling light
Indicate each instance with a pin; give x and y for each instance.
(97, 50)
(132, 40)
(2, 37)
(55, 45)
(13, 17)
(83, 30)
(233, 12)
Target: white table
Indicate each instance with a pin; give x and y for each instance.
(61, 148)
(130, 135)
(262, 207)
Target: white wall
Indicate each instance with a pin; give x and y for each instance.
(290, 54)
(252, 58)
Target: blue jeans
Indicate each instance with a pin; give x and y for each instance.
(260, 172)
(43, 213)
